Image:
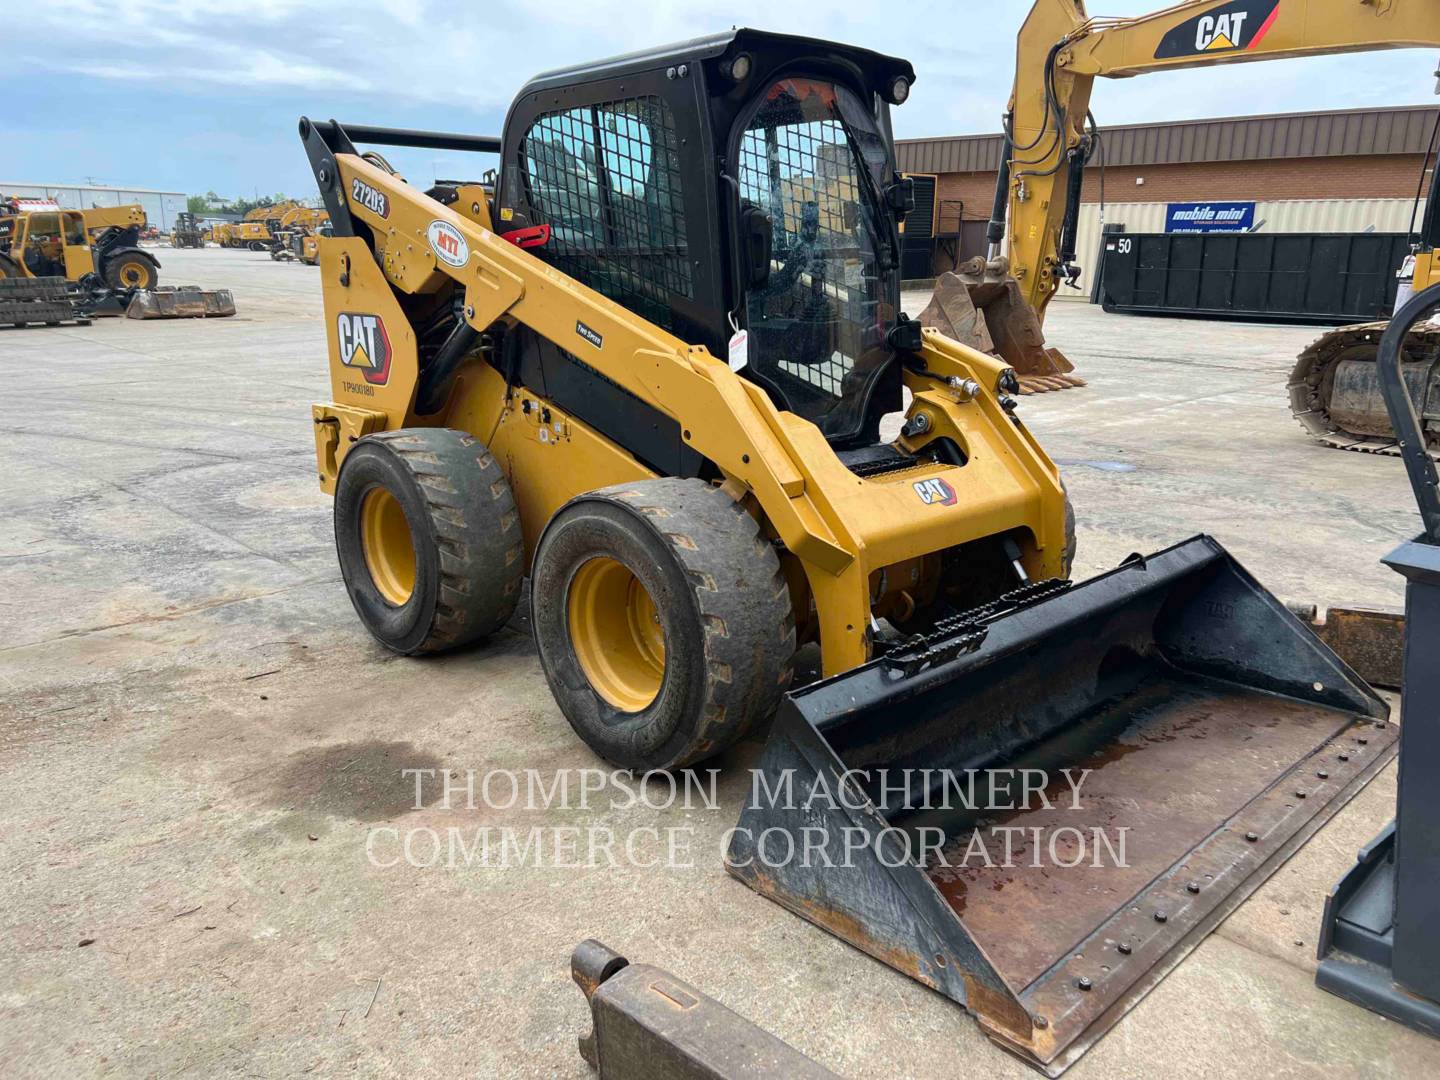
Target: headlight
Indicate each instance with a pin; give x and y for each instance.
(737, 69)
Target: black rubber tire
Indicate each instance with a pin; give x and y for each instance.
(464, 527)
(9, 268)
(722, 602)
(256, 245)
(1068, 554)
(115, 264)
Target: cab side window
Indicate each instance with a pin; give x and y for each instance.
(606, 179)
(44, 226)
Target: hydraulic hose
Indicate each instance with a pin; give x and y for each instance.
(995, 231)
(435, 379)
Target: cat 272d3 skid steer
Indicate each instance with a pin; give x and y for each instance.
(648, 372)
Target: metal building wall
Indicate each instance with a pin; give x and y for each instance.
(160, 206)
(1298, 215)
(1403, 129)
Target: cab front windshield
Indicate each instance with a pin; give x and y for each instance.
(813, 160)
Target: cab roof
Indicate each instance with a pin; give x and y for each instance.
(878, 68)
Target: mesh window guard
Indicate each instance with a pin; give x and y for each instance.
(606, 179)
(815, 324)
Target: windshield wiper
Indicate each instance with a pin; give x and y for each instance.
(890, 243)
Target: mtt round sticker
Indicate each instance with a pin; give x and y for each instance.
(449, 246)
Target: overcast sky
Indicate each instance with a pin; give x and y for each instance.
(192, 97)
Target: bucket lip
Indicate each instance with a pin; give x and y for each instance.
(837, 698)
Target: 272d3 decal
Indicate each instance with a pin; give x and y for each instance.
(377, 202)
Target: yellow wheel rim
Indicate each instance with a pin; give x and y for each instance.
(616, 632)
(134, 275)
(388, 547)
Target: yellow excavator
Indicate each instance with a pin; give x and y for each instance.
(997, 303)
(646, 373)
(256, 231)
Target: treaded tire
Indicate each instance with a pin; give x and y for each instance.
(116, 264)
(1071, 544)
(465, 530)
(719, 596)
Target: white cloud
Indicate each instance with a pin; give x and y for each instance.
(477, 56)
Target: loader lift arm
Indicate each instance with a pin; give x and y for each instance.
(1061, 51)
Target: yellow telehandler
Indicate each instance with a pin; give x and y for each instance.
(648, 373)
(72, 244)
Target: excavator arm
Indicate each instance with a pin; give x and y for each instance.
(1061, 51)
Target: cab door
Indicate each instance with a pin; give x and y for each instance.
(79, 258)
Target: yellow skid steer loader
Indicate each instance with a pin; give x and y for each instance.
(648, 373)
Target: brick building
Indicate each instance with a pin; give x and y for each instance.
(1342, 171)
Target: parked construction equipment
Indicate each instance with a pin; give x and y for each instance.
(74, 244)
(1335, 389)
(256, 231)
(95, 254)
(306, 246)
(289, 232)
(187, 232)
(529, 383)
(998, 303)
(42, 301)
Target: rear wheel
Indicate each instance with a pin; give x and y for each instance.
(9, 268)
(428, 539)
(132, 270)
(663, 621)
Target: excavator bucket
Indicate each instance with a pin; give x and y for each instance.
(1039, 809)
(180, 302)
(980, 305)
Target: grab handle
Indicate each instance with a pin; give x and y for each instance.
(1403, 418)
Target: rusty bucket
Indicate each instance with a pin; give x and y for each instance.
(1153, 742)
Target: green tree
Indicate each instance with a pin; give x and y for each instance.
(198, 204)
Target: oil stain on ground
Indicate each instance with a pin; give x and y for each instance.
(362, 781)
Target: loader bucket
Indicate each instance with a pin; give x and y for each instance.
(980, 305)
(180, 302)
(1207, 734)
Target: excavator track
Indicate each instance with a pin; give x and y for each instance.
(1312, 379)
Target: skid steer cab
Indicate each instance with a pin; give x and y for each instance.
(648, 368)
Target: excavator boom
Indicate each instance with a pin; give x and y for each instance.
(1060, 52)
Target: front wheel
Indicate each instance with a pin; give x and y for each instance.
(663, 621)
(132, 270)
